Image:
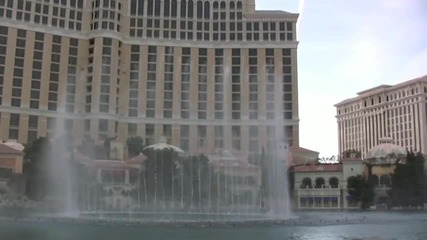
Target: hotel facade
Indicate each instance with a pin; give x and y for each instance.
(398, 112)
(202, 73)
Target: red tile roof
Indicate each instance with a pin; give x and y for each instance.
(301, 149)
(319, 168)
(4, 149)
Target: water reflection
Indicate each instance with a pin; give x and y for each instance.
(404, 226)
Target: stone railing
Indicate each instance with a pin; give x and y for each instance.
(319, 191)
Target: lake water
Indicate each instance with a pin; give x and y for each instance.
(316, 226)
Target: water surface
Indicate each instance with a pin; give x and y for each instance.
(372, 226)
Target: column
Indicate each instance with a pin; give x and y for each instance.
(127, 176)
(99, 175)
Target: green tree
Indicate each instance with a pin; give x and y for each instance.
(408, 182)
(361, 190)
(35, 167)
(135, 146)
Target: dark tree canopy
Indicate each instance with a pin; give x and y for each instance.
(361, 190)
(135, 145)
(408, 187)
(35, 156)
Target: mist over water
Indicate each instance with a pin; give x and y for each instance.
(173, 189)
(277, 165)
(61, 177)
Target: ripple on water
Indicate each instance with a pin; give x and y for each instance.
(392, 226)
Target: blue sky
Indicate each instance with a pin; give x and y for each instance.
(347, 46)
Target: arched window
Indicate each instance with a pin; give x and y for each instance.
(222, 5)
(385, 180)
(215, 5)
(239, 5)
(150, 5)
(190, 8)
(333, 182)
(174, 8)
(157, 4)
(166, 10)
(199, 9)
(320, 182)
(232, 5)
(183, 8)
(207, 10)
(306, 183)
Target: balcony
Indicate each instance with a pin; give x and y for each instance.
(326, 191)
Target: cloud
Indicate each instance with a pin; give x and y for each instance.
(380, 42)
(414, 67)
(347, 47)
(318, 126)
(398, 4)
(364, 60)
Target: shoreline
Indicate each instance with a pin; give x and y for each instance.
(299, 221)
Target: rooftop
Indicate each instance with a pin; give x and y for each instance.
(319, 168)
(6, 149)
(386, 149)
(380, 89)
(274, 12)
(374, 89)
(298, 149)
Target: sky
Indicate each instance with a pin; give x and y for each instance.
(349, 46)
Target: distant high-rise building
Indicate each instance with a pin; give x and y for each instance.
(398, 112)
(212, 74)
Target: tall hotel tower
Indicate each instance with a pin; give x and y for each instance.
(396, 111)
(202, 73)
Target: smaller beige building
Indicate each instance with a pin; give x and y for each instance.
(324, 186)
(318, 186)
(11, 166)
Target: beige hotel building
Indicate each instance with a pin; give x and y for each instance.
(202, 73)
(398, 112)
